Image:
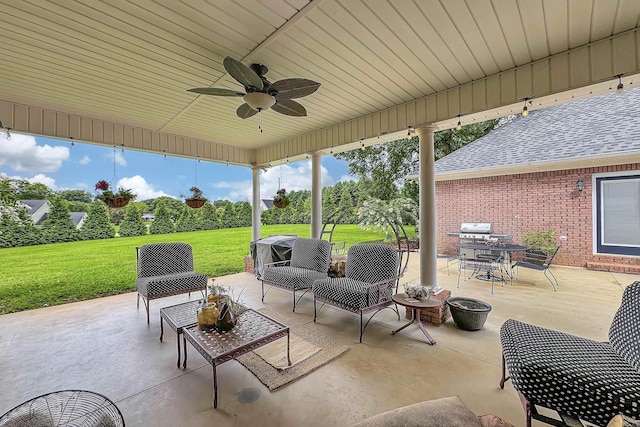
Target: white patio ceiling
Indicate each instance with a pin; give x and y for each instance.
(115, 72)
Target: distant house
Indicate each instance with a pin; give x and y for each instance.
(266, 204)
(574, 168)
(38, 210)
(148, 217)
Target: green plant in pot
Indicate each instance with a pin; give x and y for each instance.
(540, 245)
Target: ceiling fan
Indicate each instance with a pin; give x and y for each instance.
(259, 93)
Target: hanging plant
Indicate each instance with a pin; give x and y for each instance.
(281, 199)
(118, 199)
(195, 199)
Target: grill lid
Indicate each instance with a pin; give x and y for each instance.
(476, 227)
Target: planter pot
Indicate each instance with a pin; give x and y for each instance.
(468, 313)
(280, 204)
(117, 202)
(194, 203)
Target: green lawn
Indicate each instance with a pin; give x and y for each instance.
(45, 275)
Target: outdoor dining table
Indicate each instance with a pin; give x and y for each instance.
(506, 250)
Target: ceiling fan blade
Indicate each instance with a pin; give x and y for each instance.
(244, 111)
(294, 88)
(289, 108)
(242, 73)
(217, 91)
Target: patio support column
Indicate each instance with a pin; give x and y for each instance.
(316, 196)
(256, 218)
(427, 234)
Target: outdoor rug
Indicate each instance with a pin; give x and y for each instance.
(309, 350)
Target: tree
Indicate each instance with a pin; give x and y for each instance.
(26, 190)
(174, 206)
(162, 223)
(97, 225)
(187, 220)
(227, 214)
(132, 225)
(243, 214)
(75, 196)
(209, 220)
(58, 227)
(382, 168)
(346, 206)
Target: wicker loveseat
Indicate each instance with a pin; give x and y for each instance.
(166, 269)
(577, 377)
(310, 259)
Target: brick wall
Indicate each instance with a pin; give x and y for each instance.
(539, 201)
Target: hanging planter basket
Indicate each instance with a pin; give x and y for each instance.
(281, 199)
(281, 204)
(117, 202)
(195, 203)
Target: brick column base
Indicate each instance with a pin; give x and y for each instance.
(435, 315)
(248, 264)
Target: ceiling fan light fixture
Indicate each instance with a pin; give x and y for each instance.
(259, 101)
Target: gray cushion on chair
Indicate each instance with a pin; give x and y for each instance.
(170, 283)
(624, 333)
(570, 374)
(293, 277)
(350, 292)
(311, 254)
(445, 412)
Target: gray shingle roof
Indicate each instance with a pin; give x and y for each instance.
(601, 126)
(34, 205)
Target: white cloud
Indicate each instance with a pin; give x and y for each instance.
(22, 153)
(37, 179)
(85, 160)
(141, 188)
(117, 156)
(292, 177)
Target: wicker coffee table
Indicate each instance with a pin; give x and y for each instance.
(415, 307)
(178, 317)
(253, 330)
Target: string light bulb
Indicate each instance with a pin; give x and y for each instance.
(620, 87)
(73, 144)
(7, 131)
(362, 144)
(525, 109)
(409, 129)
(164, 154)
(459, 126)
(122, 148)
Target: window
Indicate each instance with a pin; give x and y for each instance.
(618, 214)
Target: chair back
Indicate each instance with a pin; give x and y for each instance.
(550, 260)
(624, 333)
(311, 254)
(372, 263)
(158, 259)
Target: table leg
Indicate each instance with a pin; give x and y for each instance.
(215, 387)
(288, 347)
(184, 344)
(413, 318)
(178, 340)
(161, 329)
(416, 318)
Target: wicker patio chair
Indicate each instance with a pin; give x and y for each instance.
(371, 274)
(166, 269)
(310, 259)
(65, 408)
(575, 376)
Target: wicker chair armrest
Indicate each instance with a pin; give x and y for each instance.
(277, 263)
(382, 286)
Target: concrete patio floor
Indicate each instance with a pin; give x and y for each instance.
(104, 345)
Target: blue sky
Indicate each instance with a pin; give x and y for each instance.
(60, 166)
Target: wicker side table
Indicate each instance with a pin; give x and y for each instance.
(65, 408)
(178, 317)
(253, 330)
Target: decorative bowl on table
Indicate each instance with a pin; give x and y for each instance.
(417, 291)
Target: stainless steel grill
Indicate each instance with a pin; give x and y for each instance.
(477, 232)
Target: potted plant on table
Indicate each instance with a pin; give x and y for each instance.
(281, 199)
(195, 199)
(118, 199)
(540, 245)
